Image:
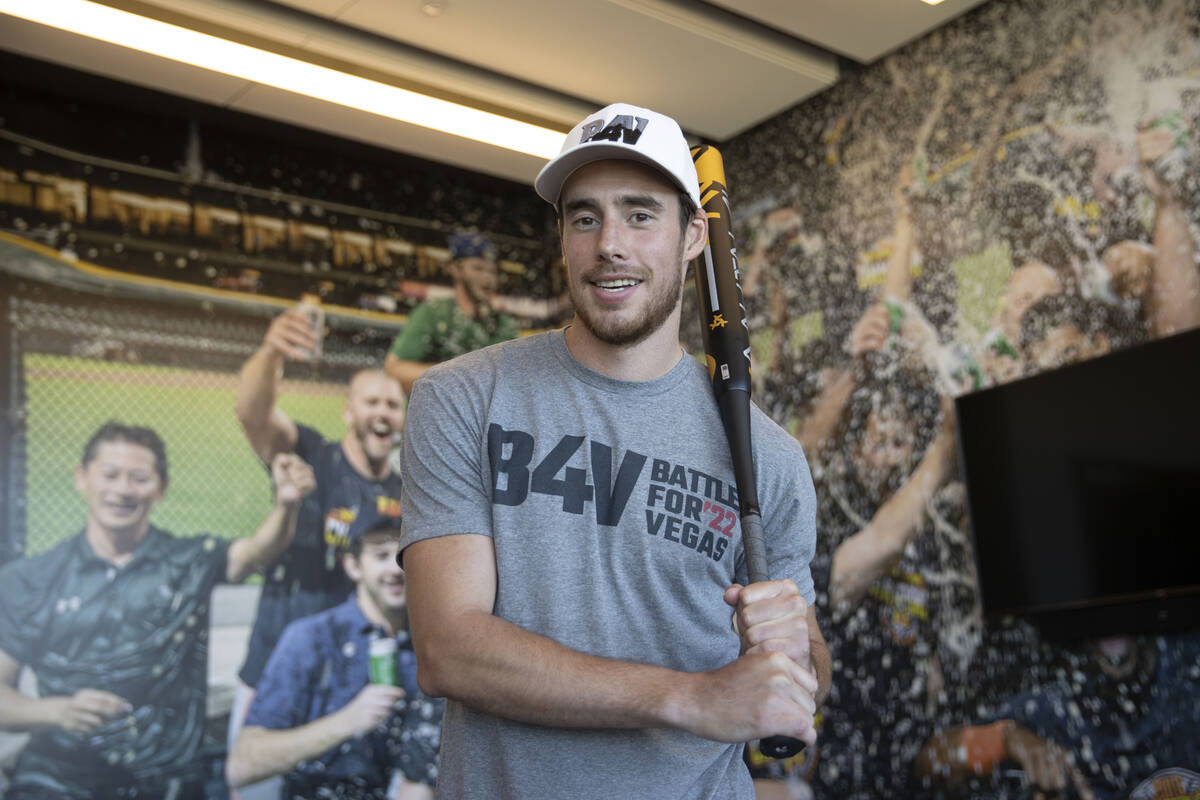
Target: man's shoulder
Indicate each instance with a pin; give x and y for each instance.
(434, 308)
(774, 445)
(487, 362)
(52, 562)
(169, 546)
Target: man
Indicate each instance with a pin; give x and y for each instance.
(570, 533)
(317, 720)
(438, 330)
(1115, 711)
(352, 475)
(114, 624)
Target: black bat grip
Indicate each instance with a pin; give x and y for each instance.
(756, 568)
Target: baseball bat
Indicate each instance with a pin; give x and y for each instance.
(727, 354)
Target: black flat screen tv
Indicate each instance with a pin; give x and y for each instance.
(1083, 492)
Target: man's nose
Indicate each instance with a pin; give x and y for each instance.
(612, 240)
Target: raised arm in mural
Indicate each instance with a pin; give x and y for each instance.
(982, 171)
(861, 559)
(1172, 299)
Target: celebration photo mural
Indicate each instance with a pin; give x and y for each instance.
(1013, 193)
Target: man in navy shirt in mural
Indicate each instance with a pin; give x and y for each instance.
(326, 722)
(353, 476)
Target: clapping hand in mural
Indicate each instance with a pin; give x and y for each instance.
(293, 477)
(88, 709)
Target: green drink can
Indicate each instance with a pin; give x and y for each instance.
(381, 663)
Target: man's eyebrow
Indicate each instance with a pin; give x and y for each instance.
(581, 203)
(643, 200)
(627, 201)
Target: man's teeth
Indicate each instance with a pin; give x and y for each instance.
(381, 429)
(619, 283)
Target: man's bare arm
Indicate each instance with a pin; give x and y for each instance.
(262, 752)
(293, 479)
(268, 429)
(404, 371)
(83, 711)
(860, 560)
(1173, 299)
(822, 662)
(468, 654)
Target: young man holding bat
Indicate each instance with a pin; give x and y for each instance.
(571, 533)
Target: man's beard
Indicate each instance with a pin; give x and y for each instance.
(362, 432)
(629, 332)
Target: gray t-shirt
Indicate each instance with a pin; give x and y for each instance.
(613, 512)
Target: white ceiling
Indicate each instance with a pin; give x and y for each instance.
(547, 61)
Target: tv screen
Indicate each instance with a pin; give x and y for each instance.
(1083, 490)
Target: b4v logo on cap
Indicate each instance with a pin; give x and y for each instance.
(624, 127)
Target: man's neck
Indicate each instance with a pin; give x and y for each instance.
(393, 623)
(115, 546)
(651, 358)
(464, 302)
(359, 461)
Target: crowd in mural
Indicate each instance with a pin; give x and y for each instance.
(1010, 195)
(972, 214)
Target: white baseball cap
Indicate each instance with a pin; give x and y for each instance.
(622, 131)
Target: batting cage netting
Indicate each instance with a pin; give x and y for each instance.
(82, 352)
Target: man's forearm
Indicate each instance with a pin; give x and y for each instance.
(954, 755)
(826, 411)
(1175, 285)
(860, 560)
(258, 385)
(494, 666)
(273, 536)
(268, 429)
(20, 713)
(406, 372)
(822, 664)
(260, 753)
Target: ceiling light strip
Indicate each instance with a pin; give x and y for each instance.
(176, 43)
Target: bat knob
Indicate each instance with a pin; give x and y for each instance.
(780, 746)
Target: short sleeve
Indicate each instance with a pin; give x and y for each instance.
(308, 444)
(445, 489)
(413, 343)
(284, 692)
(19, 634)
(790, 520)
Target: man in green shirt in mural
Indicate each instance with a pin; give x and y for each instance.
(440, 329)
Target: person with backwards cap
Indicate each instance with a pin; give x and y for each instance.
(440, 329)
(576, 579)
(329, 715)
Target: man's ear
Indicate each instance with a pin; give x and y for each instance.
(350, 564)
(695, 236)
(80, 479)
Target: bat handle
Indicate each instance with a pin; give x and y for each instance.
(755, 547)
(756, 567)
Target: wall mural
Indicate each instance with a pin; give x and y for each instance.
(1012, 193)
